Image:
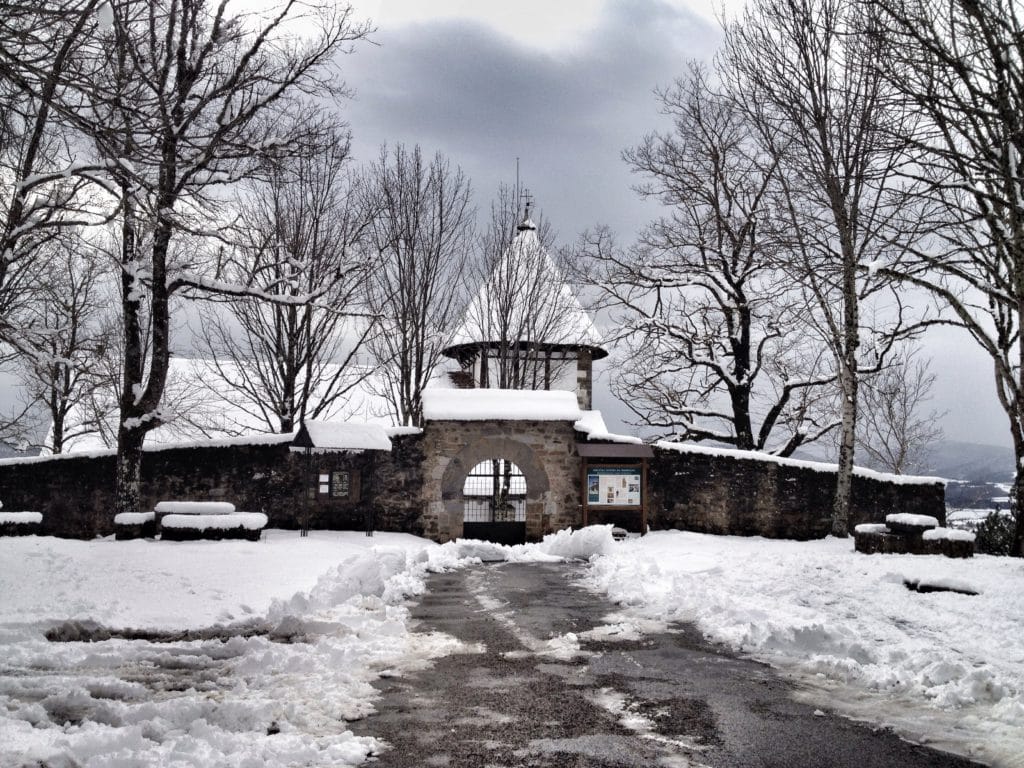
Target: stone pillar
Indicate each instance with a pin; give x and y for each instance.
(584, 379)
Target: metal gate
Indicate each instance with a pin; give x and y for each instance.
(494, 503)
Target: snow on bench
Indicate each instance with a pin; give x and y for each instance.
(194, 508)
(908, 520)
(871, 528)
(134, 518)
(947, 534)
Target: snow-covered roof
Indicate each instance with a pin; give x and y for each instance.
(547, 312)
(817, 466)
(342, 436)
(201, 408)
(500, 405)
(593, 426)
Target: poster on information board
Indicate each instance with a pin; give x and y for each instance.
(613, 486)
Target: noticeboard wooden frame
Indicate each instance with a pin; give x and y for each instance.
(608, 463)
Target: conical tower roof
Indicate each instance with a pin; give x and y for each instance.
(526, 300)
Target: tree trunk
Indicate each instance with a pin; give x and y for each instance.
(128, 481)
(844, 470)
(848, 376)
(1018, 494)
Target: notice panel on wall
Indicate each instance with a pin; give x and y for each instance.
(613, 486)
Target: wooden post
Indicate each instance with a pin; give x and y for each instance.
(583, 491)
(643, 497)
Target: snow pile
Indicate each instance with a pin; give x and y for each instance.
(251, 521)
(195, 507)
(583, 544)
(21, 518)
(501, 404)
(240, 698)
(941, 666)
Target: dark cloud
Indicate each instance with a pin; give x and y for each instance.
(483, 99)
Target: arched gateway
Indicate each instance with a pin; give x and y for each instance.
(534, 431)
(520, 393)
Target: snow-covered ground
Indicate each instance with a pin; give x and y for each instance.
(311, 622)
(315, 621)
(942, 668)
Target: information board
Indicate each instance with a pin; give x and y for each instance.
(613, 486)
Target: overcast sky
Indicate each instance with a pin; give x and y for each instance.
(565, 87)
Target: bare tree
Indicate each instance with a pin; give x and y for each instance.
(45, 186)
(812, 87)
(714, 331)
(60, 372)
(893, 431)
(421, 235)
(293, 357)
(193, 98)
(523, 312)
(961, 64)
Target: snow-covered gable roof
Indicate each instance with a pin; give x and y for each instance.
(500, 405)
(342, 436)
(547, 310)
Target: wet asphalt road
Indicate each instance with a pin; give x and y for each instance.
(666, 699)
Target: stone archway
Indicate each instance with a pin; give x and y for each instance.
(486, 448)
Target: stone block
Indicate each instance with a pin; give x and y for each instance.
(872, 542)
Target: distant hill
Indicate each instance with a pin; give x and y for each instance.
(972, 462)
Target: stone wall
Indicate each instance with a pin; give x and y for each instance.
(76, 493)
(543, 450)
(748, 497)
(417, 487)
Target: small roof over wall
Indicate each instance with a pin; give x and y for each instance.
(614, 451)
(500, 405)
(341, 436)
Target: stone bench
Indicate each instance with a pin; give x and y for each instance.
(912, 534)
(135, 525)
(229, 525)
(216, 520)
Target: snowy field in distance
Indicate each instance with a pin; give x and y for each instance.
(942, 668)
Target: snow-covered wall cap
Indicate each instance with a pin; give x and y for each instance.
(500, 405)
(593, 426)
(342, 436)
(817, 466)
(402, 431)
(228, 442)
